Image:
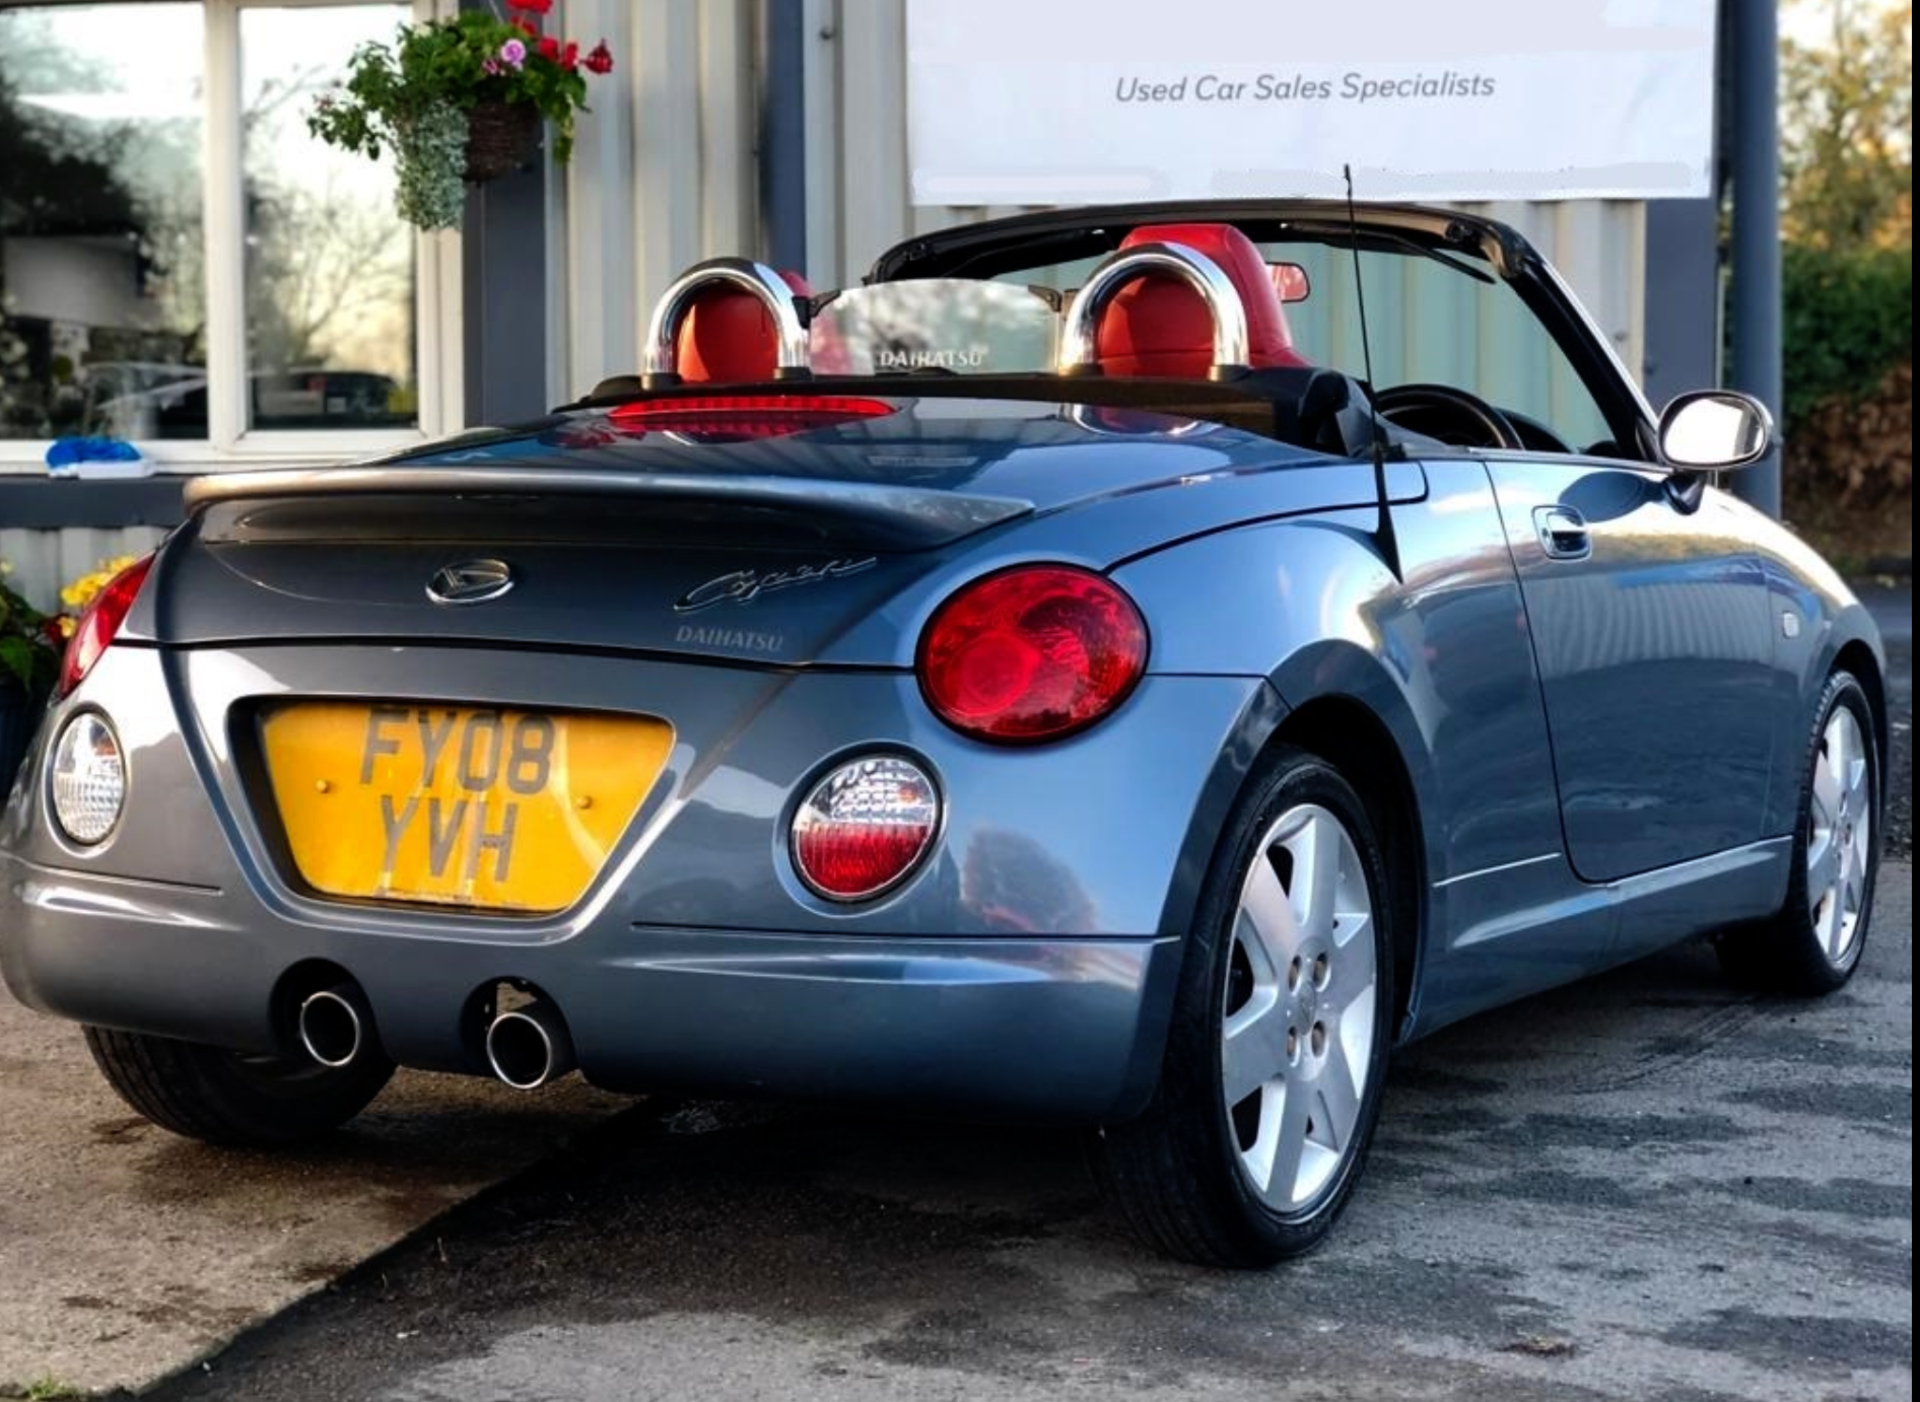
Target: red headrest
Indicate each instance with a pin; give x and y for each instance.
(1160, 326)
(728, 337)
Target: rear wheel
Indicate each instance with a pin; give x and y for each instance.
(1277, 1053)
(1814, 943)
(226, 1097)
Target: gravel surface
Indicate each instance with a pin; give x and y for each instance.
(1644, 1186)
(126, 1253)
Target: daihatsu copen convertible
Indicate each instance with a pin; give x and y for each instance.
(1055, 678)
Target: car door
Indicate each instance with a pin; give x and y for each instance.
(1653, 635)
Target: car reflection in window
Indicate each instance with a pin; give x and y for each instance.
(175, 406)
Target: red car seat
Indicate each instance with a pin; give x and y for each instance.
(728, 337)
(1160, 326)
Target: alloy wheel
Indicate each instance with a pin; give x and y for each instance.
(1839, 835)
(1299, 1013)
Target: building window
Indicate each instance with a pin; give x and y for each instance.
(182, 264)
(329, 268)
(103, 307)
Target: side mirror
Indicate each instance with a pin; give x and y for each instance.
(1715, 430)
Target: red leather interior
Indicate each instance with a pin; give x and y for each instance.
(727, 337)
(1159, 326)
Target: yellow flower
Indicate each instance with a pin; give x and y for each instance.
(80, 593)
(68, 626)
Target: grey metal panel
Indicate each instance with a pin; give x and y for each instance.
(1603, 630)
(35, 501)
(962, 1028)
(1682, 338)
(505, 298)
(664, 172)
(43, 561)
(1443, 658)
(1656, 661)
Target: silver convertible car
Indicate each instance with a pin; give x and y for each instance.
(1084, 672)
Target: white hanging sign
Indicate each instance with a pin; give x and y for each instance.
(1078, 101)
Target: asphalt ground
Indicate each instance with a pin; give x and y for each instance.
(126, 1253)
(1646, 1186)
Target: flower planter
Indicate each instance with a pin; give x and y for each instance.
(459, 101)
(19, 717)
(501, 137)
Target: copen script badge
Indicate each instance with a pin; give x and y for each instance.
(744, 586)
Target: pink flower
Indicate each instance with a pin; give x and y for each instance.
(513, 52)
(491, 67)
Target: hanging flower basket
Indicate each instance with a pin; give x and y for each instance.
(501, 137)
(460, 100)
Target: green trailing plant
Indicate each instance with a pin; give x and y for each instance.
(429, 152)
(418, 98)
(30, 641)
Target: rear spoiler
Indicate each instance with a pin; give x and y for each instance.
(903, 517)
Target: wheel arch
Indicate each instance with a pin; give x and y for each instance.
(1337, 701)
(1857, 657)
(1343, 731)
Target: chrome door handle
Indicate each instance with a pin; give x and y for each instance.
(1563, 532)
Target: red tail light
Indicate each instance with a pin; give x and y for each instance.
(101, 623)
(1033, 653)
(730, 417)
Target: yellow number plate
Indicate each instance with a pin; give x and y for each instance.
(453, 805)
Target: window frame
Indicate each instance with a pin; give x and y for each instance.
(438, 314)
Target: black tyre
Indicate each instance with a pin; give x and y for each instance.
(224, 1097)
(1813, 945)
(1277, 1053)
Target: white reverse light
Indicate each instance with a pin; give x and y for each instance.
(89, 779)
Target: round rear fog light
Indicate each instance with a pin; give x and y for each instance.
(865, 827)
(89, 779)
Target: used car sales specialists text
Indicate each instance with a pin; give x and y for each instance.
(1272, 87)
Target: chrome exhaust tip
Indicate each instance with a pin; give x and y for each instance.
(528, 1046)
(333, 1025)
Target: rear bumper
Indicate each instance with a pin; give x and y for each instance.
(1049, 1027)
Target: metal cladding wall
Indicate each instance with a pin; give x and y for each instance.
(664, 175)
(46, 560)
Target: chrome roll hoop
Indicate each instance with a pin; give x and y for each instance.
(791, 352)
(1078, 352)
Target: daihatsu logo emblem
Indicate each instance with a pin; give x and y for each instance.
(470, 582)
